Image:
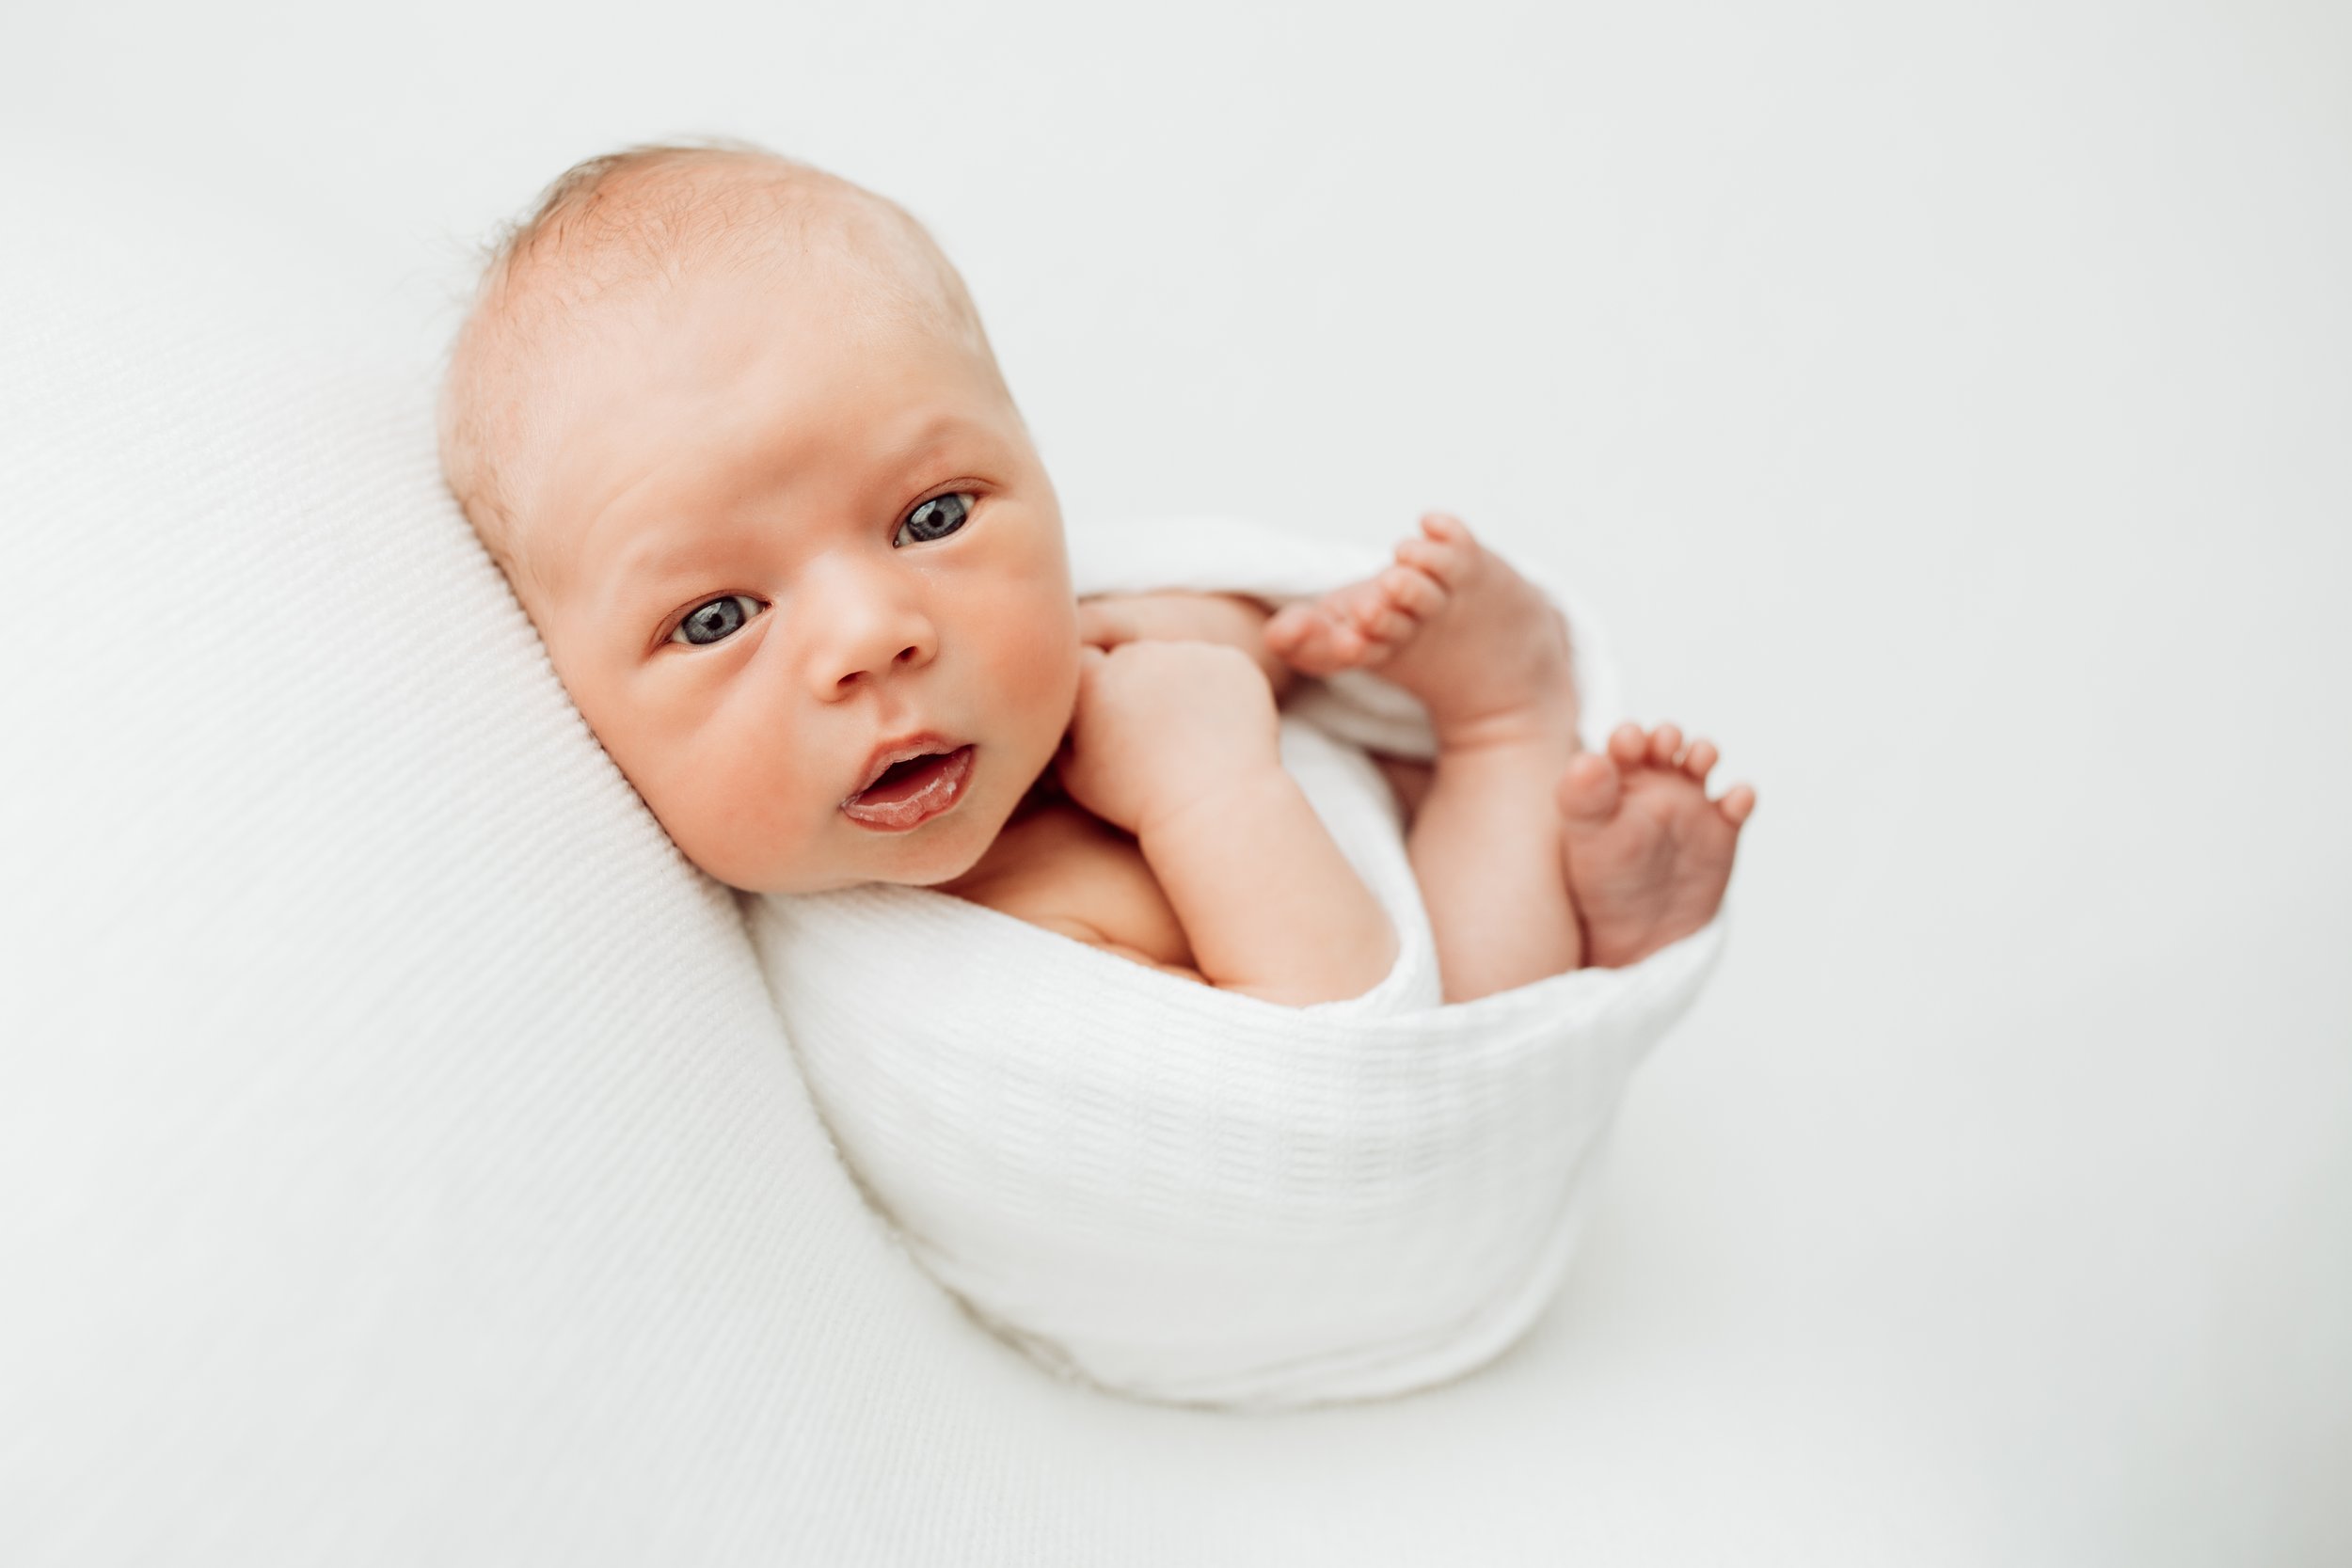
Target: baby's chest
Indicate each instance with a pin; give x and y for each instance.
(1067, 871)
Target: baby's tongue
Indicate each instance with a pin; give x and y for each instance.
(903, 780)
(912, 791)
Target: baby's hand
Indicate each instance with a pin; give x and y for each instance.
(1113, 619)
(1163, 725)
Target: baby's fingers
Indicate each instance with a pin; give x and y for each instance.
(1106, 624)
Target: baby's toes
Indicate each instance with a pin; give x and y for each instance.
(1700, 760)
(1365, 606)
(1665, 742)
(1289, 626)
(1343, 638)
(1388, 624)
(1590, 790)
(1307, 638)
(1413, 592)
(1446, 528)
(1629, 745)
(1736, 805)
(1445, 563)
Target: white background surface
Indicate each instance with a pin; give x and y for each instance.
(1950, 416)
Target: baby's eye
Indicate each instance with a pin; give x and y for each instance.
(719, 618)
(935, 518)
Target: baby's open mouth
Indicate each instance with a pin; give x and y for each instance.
(910, 790)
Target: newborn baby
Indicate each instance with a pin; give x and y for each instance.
(732, 429)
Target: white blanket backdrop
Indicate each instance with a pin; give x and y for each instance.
(1947, 412)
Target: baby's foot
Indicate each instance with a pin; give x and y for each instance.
(1452, 624)
(1647, 852)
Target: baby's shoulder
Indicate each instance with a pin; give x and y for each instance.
(1067, 870)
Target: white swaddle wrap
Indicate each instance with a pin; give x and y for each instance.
(1194, 1196)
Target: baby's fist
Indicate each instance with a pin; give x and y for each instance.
(1160, 725)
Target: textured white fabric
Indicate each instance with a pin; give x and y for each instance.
(1197, 1196)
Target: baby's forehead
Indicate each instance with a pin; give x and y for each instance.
(617, 246)
(586, 324)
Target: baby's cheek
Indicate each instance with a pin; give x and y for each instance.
(1040, 667)
(732, 797)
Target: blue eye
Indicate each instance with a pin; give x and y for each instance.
(718, 620)
(935, 518)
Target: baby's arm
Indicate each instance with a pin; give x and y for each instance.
(1177, 743)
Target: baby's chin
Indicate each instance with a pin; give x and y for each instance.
(925, 871)
(943, 871)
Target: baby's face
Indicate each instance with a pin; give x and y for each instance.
(784, 549)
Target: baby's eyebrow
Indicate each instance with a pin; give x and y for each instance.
(652, 558)
(651, 566)
(941, 429)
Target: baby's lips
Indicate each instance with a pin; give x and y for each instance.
(934, 787)
(892, 753)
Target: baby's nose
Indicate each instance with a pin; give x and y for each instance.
(866, 630)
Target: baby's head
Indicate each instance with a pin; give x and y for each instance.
(732, 429)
